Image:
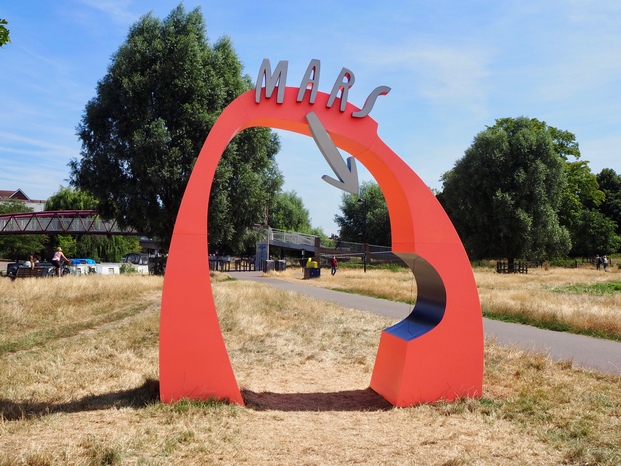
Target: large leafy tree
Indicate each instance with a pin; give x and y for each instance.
(67, 198)
(246, 180)
(141, 134)
(20, 246)
(98, 247)
(4, 33)
(503, 195)
(610, 184)
(365, 216)
(581, 193)
(594, 233)
(287, 212)
(581, 190)
(590, 230)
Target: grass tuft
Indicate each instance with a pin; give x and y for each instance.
(597, 289)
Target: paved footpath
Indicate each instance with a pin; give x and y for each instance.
(585, 352)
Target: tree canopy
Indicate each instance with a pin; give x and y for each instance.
(504, 194)
(594, 233)
(4, 33)
(365, 216)
(20, 246)
(70, 199)
(287, 212)
(142, 132)
(97, 247)
(610, 184)
(581, 192)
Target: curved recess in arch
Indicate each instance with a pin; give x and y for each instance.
(430, 300)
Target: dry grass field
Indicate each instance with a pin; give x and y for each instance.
(580, 300)
(79, 371)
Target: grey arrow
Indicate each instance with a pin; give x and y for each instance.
(346, 172)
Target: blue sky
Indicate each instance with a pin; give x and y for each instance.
(453, 66)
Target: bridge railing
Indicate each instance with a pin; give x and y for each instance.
(291, 237)
(59, 222)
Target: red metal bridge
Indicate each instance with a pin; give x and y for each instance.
(63, 222)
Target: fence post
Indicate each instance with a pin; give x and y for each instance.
(317, 254)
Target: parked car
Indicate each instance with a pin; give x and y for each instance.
(136, 258)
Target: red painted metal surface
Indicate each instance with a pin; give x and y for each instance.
(436, 353)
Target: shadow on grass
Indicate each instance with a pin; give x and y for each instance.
(148, 393)
(139, 397)
(349, 400)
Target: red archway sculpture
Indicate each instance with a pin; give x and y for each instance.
(436, 353)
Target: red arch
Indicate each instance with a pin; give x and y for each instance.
(443, 362)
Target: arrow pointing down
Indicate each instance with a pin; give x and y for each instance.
(346, 172)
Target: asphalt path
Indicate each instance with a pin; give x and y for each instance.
(584, 352)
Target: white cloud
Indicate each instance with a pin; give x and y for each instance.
(604, 13)
(118, 11)
(44, 145)
(443, 74)
(38, 182)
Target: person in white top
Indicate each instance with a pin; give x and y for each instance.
(58, 259)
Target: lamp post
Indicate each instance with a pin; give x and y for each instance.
(268, 233)
(259, 260)
(364, 205)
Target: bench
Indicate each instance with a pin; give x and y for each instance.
(28, 272)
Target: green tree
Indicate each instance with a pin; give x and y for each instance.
(107, 248)
(287, 212)
(141, 134)
(610, 184)
(581, 190)
(246, 180)
(593, 234)
(582, 197)
(581, 193)
(4, 33)
(503, 195)
(67, 198)
(365, 216)
(20, 246)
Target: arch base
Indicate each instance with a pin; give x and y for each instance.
(422, 370)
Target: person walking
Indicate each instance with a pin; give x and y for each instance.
(335, 265)
(605, 262)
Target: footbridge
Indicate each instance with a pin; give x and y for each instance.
(292, 240)
(317, 247)
(60, 222)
